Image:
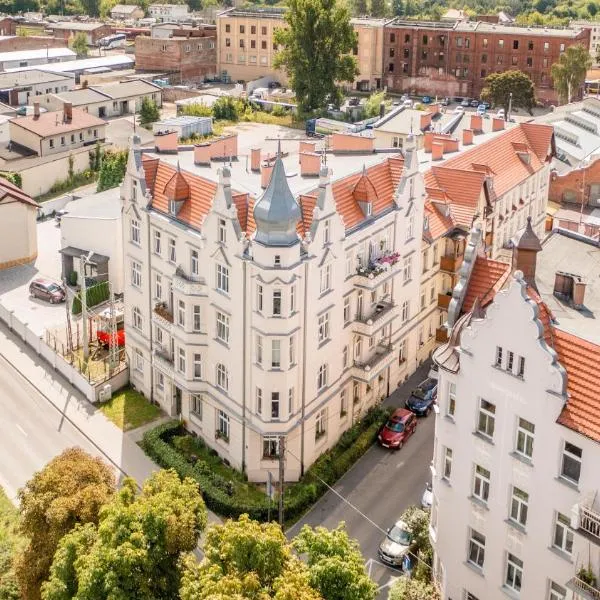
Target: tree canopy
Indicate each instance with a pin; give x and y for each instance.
(569, 72)
(112, 169)
(500, 86)
(79, 44)
(70, 489)
(316, 50)
(405, 588)
(149, 112)
(135, 550)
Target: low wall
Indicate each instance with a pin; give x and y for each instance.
(170, 94)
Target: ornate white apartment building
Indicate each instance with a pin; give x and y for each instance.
(265, 296)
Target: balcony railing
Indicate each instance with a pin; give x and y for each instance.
(381, 309)
(589, 521)
(382, 351)
(380, 265)
(451, 263)
(441, 335)
(444, 300)
(583, 589)
(162, 310)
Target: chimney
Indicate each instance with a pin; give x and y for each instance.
(255, 159)
(437, 150)
(36, 110)
(202, 154)
(476, 123)
(467, 137)
(306, 147)
(578, 293)
(497, 124)
(427, 140)
(310, 164)
(526, 245)
(68, 111)
(382, 110)
(570, 288)
(265, 174)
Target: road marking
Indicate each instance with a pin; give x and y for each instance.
(21, 429)
(389, 583)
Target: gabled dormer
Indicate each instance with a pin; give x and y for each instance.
(177, 192)
(364, 193)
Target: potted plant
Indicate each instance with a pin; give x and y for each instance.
(586, 575)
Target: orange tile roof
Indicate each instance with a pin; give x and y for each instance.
(307, 205)
(544, 315)
(11, 192)
(52, 123)
(177, 188)
(438, 222)
(580, 358)
(487, 278)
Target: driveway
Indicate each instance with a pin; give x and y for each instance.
(381, 485)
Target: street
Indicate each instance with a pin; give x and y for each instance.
(380, 485)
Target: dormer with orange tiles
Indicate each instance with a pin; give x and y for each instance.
(177, 191)
(365, 194)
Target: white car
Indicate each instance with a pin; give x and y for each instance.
(459, 109)
(427, 497)
(396, 545)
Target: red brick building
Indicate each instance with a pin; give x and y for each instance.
(8, 26)
(187, 54)
(29, 42)
(453, 59)
(577, 186)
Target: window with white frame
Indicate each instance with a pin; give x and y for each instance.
(405, 311)
(196, 317)
(259, 349)
(276, 302)
(407, 269)
(410, 226)
(222, 327)
(325, 279)
(486, 421)
(160, 380)
(197, 366)
(425, 260)
(196, 405)
(447, 467)
(270, 446)
(321, 423)
(136, 274)
(499, 356)
(556, 592)
(136, 318)
(223, 278)
(514, 572)
(346, 310)
(323, 328)
(322, 377)
(348, 264)
(194, 262)
(423, 300)
(259, 297)
(222, 231)
(293, 299)
(358, 347)
(223, 424)
(275, 354)
(521, 366)
(222, 377)
(519, 504)
(292, 349)
(258, 401)
(291, 401)
(136, 234)
(139, 361)
(476, 554)
(157, 242)
(181, 313)
(158, 286)
(172, 251)
(343, 403)
(274, 405)
(181, 360)
(510, 361)
(451, 404)
(432, 293)
(525, 438)
(435, 254)
(326, 231)
(277, 260)
(481, 483)
(571, 462)
(563, 534)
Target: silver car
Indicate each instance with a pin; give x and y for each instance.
(396, 544)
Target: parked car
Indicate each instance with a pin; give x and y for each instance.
(445, 101)
(408, 103)
(474, 103)
(274, 84)
(396, 545)
(433, 372)
(46, 289)
(354, 101)
(427, 497)
(466, 103)
(426, 100)
(423, 398)
(459, 109)
(487, 105)
(398, 428)
(481, 109)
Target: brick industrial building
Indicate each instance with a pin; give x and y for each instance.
(187, 54)
(453, 59)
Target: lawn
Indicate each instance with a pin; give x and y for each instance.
(128, 409)
(9, 543)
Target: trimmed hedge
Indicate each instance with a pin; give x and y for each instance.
(95, 295)
(216, 489)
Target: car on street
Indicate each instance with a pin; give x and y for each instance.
(474, 103)
(408, 103)
(48, 290)
(396, 545)
(459, 109)
(423, 398)
(398, 428)
(487, 105)
(481, 110)
(426, 100)
(466, 103)
(445, 101)
(427, 497)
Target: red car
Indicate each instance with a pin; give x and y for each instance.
(399, 427)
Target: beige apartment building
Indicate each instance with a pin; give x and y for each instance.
(246, 48)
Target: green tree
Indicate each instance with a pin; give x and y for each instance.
(417, 522)
(378, 8)
(397, 8)
(69, 490)
(149, 112)
(316, 50)
(91, 7)
(135, 551)
(568, 74)
(412, 589)
(373, 104)
(112, 169)
(500, 86)
(360, 8)
(243, 560)
(79, 44)
(336, 565)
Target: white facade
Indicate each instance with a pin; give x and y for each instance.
(166, 13)
(269, 340)
(594, 27)
(508, 479)
(29, 58)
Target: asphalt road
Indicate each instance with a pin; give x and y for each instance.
(380, 486)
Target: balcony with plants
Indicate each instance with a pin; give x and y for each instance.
(163, 315)
(375, 269)
(585, 584)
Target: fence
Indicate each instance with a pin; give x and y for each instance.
(90, 389)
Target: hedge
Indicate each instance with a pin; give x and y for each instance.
(298, 497)
(95, 295)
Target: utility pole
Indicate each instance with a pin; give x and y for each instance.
(69, 333)
(83, 294)
(281, 475)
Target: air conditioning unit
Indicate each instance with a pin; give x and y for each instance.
(105, 393)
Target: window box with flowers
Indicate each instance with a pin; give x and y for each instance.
(219, 435)
(379, 265)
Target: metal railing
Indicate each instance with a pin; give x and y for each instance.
(578, 585)
(589, 521)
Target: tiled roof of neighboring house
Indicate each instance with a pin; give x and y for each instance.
(82, 96)
(11, 192)
(53, 123)
(125, 89)
(580, 359)
(15, 78)
(76, 26)
(487, 278)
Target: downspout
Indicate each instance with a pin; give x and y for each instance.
(149, 290)
(244, 351)
(304, 328)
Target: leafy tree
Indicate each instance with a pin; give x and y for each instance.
(112, 170)
(373, 103)
(79, 44)
(336, 565)
(499, 87)
(227, 108)
(316, 50)
(135, 550)
(378, 8)
(412, 589)
(397, 8)
(9, 544)
(149, 112)
(569, 72)
(417, 522)
(360, 8)
(246, 560)
(597, 57)
(69, 490)
(91, 7)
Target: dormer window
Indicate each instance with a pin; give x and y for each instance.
(368, 209)
(173, 208)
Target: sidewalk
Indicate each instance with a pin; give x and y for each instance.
(117, 447)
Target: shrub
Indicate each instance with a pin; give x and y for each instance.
(95, 295)
(112, 170)
(73, 278)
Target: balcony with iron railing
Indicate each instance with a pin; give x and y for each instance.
(163, 315)
(186, 283)
(377, 269)
(585, 519)
(584, 585)
(163, 359)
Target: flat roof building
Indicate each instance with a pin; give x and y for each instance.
(20, 87)
(40, 56)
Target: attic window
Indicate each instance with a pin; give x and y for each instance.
(174, 207)
(525, 157)
(277, 261)
(426, 223)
